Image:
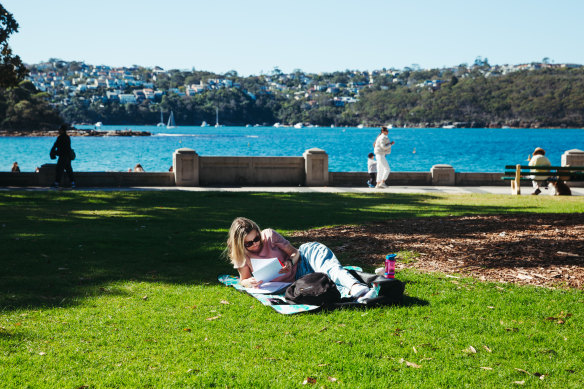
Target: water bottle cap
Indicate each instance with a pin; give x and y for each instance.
(390, 256)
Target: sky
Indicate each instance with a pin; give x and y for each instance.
(253, 37)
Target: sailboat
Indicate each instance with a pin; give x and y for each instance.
(171, 123)
(161, 123)
(217, 118)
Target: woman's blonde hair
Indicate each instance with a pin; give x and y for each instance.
(235, 250)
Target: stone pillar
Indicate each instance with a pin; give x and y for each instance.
(442, 175)
(316, 167)
(185, 165)
(573, 157)
(47, 174)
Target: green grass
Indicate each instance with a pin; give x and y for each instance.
(118, 289)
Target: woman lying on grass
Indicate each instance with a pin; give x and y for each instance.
(247, 241)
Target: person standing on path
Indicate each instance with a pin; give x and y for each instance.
(62, 149)
(381, 148)
(372, 170)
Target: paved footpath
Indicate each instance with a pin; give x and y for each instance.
(502, 190)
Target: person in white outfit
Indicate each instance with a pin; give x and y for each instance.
(372, 170)
(381, 148)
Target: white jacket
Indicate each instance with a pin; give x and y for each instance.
(382, 145)
(539, 160)
(371, 165)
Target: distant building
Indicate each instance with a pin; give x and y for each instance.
(126, 98)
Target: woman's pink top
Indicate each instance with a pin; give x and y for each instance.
(273, 247)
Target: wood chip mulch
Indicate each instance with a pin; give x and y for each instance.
(536, 249)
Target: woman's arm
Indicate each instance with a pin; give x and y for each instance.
(246, 279)
(293, 254)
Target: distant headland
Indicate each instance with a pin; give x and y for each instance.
(478, 95)
(76, 132)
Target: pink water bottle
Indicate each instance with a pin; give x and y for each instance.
(390, 266)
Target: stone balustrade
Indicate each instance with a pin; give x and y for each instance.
(311, 169)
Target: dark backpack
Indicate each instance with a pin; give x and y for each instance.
(313, 289)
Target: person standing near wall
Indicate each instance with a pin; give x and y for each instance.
(62, 149)
(381, 148)
(372, 170)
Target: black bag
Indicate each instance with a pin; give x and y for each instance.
(313, 289)
(390, 291)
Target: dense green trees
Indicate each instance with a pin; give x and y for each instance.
(12, 70)
(548, 97)
(21, 105)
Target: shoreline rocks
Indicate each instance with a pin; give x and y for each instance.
(76, 132)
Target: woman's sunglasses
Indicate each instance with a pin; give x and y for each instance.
(252, 242)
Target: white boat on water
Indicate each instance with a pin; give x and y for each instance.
(217, 118)
(171, 123)
(205, 124)
(277, 125)
(298, 125)
(161, 123)
(449, 126)
(360, 126)
(98, 124)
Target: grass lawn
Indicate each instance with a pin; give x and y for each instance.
(118, 289)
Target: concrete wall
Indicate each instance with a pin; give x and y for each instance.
(417, 178)
(309, 169)
(251, 171)
(46, 177)
(479, 179)
(395, 178)
(228, 175)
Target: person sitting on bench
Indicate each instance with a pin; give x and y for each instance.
(539, 159)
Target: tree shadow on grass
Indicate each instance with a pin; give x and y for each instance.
(59, 246)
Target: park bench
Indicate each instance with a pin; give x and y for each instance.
(518, 173)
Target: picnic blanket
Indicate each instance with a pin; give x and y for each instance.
(394, 291)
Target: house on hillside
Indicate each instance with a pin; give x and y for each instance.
(127, 98)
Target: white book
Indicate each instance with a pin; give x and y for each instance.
(266, 269)
(268, 287)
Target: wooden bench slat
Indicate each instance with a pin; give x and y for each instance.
(545, 167)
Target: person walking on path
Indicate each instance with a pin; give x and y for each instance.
(15, 168)
(381, 148)
(539, 159)
(62, 149)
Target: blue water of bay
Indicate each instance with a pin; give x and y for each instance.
(467, 150)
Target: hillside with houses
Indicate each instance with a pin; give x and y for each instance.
(480, 95)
